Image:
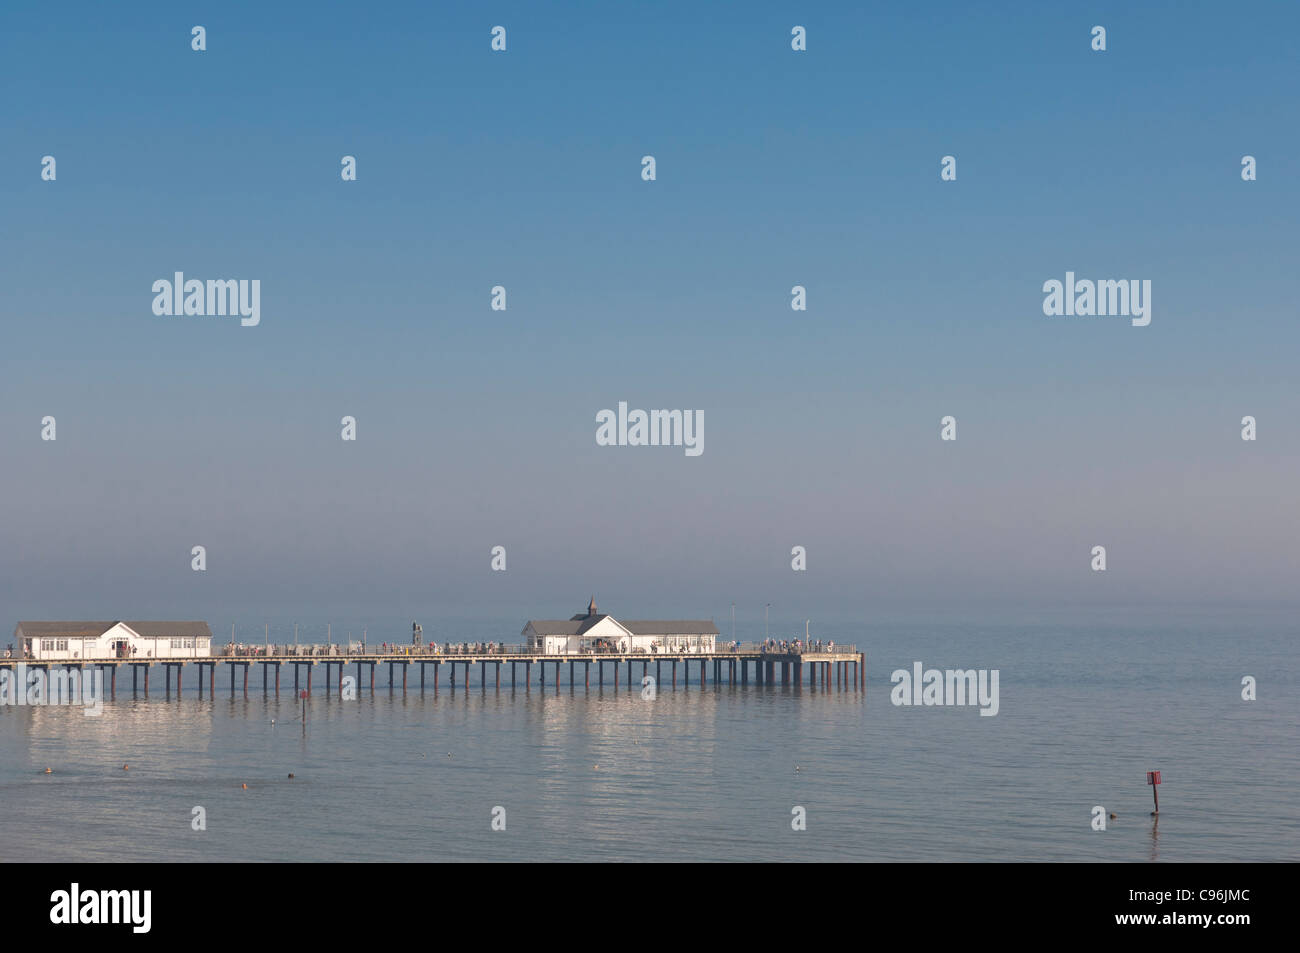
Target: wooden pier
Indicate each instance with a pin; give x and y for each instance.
(840, 670)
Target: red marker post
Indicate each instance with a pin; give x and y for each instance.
(1153, 779)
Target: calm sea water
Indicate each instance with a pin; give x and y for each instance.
(1086, 710)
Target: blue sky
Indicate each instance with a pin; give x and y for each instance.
(775, 168)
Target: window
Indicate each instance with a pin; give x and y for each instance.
(189, 643)
(61, 645)
(47, 645)
(176, 643)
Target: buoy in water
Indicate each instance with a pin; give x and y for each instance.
(244, 787)
(126, 767)
(49, 770)
(290, 774)
(1113, 816)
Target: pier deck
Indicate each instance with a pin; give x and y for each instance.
(843, 669)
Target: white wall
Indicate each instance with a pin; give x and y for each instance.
(78, 649)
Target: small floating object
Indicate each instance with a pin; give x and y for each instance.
(244, 786)
(126, 767)
(291, 774)
(1113, 816)
(595, 767)
(49, 770)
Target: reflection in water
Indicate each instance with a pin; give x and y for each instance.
(691, 774)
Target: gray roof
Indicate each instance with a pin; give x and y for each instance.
(673, 627)
(91, 630)
(555, 626)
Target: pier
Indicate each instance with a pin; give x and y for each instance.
(841, 669)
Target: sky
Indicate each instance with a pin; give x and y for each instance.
(774, 168)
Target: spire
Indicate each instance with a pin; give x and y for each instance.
(591, 608)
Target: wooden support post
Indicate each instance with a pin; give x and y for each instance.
(112, 690)
(615, 676)
(587, 674)
(230, 665)
(421, 678)
(390, 677)
(453, 677)
(405, 667)
(528, 677)
(600, 673)
(629, 674)
(310, 666)
(512, 675)
(557, 678)
(277, 679)
(329, 675)
(437, 667)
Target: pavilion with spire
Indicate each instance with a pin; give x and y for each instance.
(594, 632)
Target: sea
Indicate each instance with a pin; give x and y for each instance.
(727, 772)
